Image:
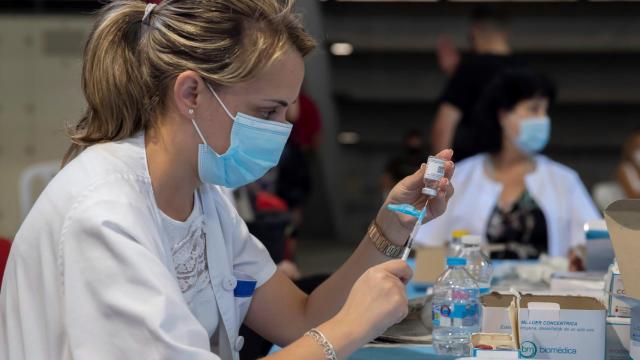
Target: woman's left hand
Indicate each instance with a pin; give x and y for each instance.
(397, 226)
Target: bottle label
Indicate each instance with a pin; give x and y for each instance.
(462, 310)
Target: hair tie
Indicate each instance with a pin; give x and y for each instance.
(147, 13)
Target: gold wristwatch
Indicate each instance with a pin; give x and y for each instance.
(382, 244)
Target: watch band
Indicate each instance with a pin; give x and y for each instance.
(382, 244)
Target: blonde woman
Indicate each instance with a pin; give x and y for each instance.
(132, 250)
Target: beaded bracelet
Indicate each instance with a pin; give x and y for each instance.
(319, 338)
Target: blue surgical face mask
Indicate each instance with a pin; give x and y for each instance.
(534, 134)
(256, 146)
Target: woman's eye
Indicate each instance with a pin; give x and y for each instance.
(268, 113)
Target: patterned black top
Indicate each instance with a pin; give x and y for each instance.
(522, 229)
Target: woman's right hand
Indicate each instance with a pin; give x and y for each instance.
(377, 300)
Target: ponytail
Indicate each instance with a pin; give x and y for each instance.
(111, 79)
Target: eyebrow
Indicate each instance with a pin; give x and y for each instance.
(282, 103)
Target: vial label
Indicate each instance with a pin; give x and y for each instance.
(435, 169)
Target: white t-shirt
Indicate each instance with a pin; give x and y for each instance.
(188, 249)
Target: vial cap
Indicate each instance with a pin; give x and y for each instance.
(471, 239)
(429, 192)
(456, 261)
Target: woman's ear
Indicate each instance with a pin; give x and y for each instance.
(187, 90)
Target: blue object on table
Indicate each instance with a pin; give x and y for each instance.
(599, 252)
(415, 290)
(596, 234)
(404, 352)
(405, 209)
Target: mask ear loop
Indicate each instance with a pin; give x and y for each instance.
(220, 101)
(193, 121)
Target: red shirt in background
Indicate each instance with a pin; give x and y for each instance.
(306, 130)
(5, 245)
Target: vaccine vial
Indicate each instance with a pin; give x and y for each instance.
(432, 176)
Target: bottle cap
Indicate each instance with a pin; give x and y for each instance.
(456, 261)
(471, 240)
(459, 233)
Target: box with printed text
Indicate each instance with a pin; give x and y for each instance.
(550, 327)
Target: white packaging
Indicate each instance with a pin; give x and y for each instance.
(617, 340)
(496, 345)
(590, 284)
(495, 354)
(619, 304)
(634, 341)
(551, 327)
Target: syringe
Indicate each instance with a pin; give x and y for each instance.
(414, 232)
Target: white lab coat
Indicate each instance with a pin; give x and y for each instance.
(557, 189)
(90, 275)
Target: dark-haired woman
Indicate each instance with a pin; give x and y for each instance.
(523, 203)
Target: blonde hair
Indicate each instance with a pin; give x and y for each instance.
(130, 65)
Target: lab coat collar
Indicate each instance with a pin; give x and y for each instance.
(220, 270)
(534, 181)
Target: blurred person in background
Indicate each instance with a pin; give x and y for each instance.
(523, 203)
(629, 168)
(413, 154)
(134, 251)
(307, 120)
(491, 53)
(294, 181)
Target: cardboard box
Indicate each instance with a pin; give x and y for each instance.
(430, 264)
(550, 327)
(499, 345)
(623, 222)
(617, 340)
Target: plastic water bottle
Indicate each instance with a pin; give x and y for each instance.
(455, 309)
(455, 244)
(478, 264)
